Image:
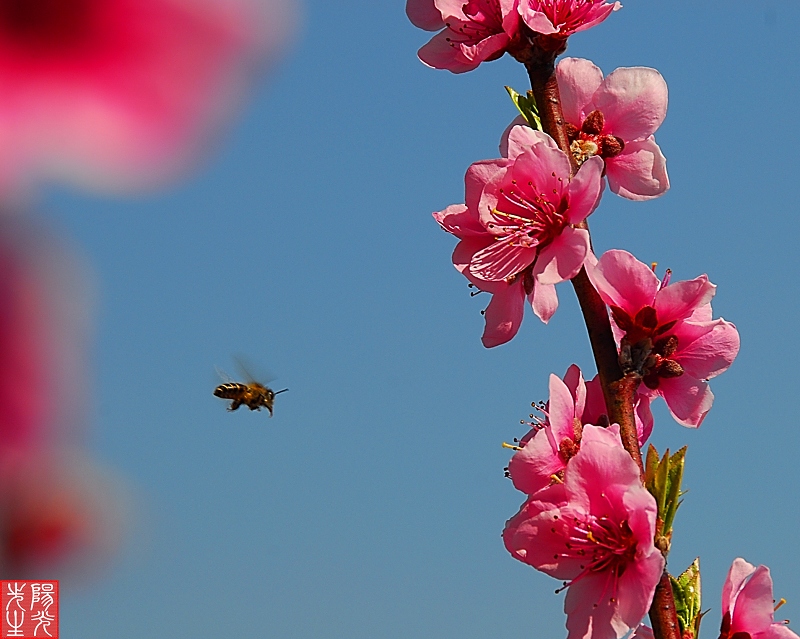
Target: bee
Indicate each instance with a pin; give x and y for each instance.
(253, 394)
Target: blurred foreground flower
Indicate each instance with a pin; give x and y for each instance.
(123, 94)
(58, 512)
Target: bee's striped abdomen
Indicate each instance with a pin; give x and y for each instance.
(231, 390)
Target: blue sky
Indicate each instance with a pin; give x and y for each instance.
(371, 505)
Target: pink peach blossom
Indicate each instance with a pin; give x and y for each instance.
(547, 448)
(562, 18)
(120, 94)
(616, 118)
(748, 606)
(595, 531)
(517, 228)
(666, 333)
(54, 510)
(59, 512)
(474, 31)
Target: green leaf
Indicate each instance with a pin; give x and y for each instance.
(526, 105)
(676, 465)
(663, 478)
(688, 599)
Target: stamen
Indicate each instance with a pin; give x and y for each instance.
(781, 602)
(511, 446)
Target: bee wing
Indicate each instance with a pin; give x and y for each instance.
(227, 379)
(245, 371)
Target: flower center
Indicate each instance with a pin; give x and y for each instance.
(602, 545)
(484, 19)
(589, 140)
(45, 24)
(645, 348)
(566, 15)
(527, 218)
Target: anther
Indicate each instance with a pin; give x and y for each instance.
(511, 446)
(780, 603)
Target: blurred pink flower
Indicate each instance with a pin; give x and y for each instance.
(474, 31)
(120, 94)
(55, 510)
(562, 18)
(616, 118)
(574, 406)
(517, 228)
(594, 531)
(60, 515)
(748, 606)
(669, 328)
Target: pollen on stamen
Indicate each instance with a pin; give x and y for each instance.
(511, 446)
(781, 602)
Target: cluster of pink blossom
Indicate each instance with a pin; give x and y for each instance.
(595, 515)
(481, 30)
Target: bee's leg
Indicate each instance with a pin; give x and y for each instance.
(234, 404)
(269, 408)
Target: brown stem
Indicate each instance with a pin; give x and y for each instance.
(619, 390)
(663, 615)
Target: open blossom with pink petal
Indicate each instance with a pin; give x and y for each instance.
(545, 451)
(562, 18)
(615, 118)
(517, 228)
(594, 531)
(748, 606)
(666, 333)
(472, 31)
(120, 94)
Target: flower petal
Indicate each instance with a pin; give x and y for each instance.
(563, 258)
(545, 167)
(590, 615)
(478, 175)
(532, 467)
(424, 14)
(578, 79)
(536, 20)
(523, 138)
(633, 101)
(504, 314)
(623, 281)
(460, 221)
(439, 53)
(679, 300)
(561, 411)
(502, 259)
(688, 399)
(739, 571)
(573, 379)
(544, 301)
(753, 611)
(711, 352)
(639, 172)
(585, 190)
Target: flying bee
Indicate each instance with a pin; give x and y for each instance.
(253, 394)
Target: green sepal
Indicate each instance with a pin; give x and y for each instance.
(663, 477)
(526, 105)
(688, 600)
